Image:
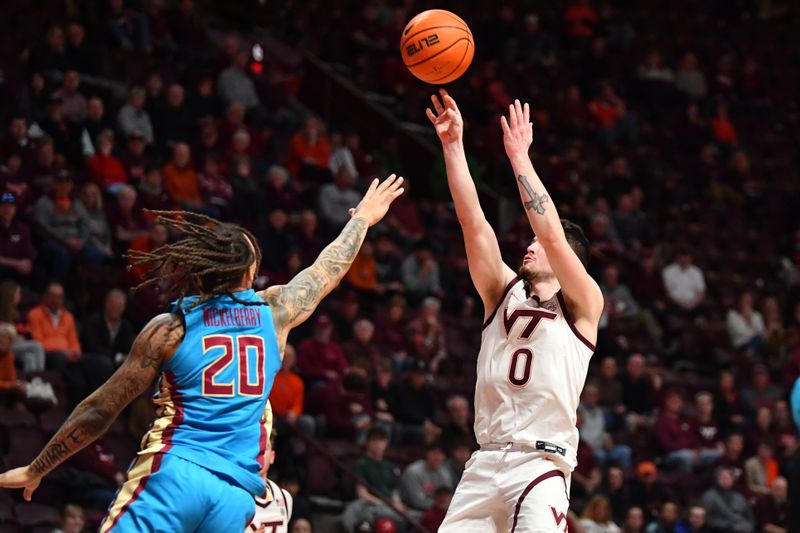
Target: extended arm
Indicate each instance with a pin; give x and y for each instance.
(581, 291)
(294, 302)
(93, 416)
(489, 273)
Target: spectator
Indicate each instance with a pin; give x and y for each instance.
(133, 118)
(80, 55)
(732, 459)
(362, 346)
(134, 160)
(581, 19)
(341, 157)
(126, 222)
(64, 225)
(612, 117)
(677, 439)
(728, 405)
(204, 103)
(16, 248)
(413, 406)
(30, 352)
(96, 121)
(93, 477)
(277, 237)
(320, 359)
(380, 391)
(420, 273)
(390, 328)
(586, 476)
(180, 179)
(300, 525)
(345, 407)
(215, 187)
(458, 428)
(637, 390)
(684, 282)
(706, 428)
(234, 85)
(67, 136)
(72, 101)
(689, 79)
(609, 387)
(634, 521)
(761, 393)
(746, 325)
(128, 28)
(336, 199)
(727, 510)
(594, 432)
(434, 516)
(374, 473)
(99, 232)
(11, 389)
(104, 168)
(288, 389)
(426, 334)
(460, 454)
(667, 521)
(109, 334)
(152, 194)
(310, 152)
(647, 491)
(173, 124)
(53, 326)
(596, 517)
(247, 191)
(761, 470)
(421, 478)
(618, 493)
(623, 310)
(697, 520)
(156, 237)
(772, 508)
(723, 129)
(72, 521)
(280, 192)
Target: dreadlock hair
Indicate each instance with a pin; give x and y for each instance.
(211, 259)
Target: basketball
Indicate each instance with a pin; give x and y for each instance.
(437, 46)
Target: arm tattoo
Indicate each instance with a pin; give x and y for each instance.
(537, 201)
(298, 299)
(92, 417)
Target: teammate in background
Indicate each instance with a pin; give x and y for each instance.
(216, 353)
(538, 337)
(273, 509)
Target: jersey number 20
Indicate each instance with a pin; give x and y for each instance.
(242, 347)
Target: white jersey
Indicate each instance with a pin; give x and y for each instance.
(531, 369)
(274, 514)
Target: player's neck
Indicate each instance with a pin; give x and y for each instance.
(543, 289)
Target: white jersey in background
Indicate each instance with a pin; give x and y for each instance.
(274, 514)
(531, 369)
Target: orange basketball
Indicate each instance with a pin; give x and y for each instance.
(437, 46)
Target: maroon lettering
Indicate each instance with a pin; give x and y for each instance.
(534, 316)
(559, 517)
(513, 372)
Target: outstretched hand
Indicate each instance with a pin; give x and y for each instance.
(447, 119)
(21, 478)
(379, 197)
(517, 130)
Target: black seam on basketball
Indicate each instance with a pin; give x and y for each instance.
(457, 64)
(403, 44)
(439, 52)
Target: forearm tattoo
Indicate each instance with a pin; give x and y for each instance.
(537, 201)
(301, 296)
(92, 417)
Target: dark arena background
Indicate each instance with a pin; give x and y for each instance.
(667, 130)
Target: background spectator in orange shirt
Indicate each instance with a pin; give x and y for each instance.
(363, 274)
(103, 167)
(180, 179)
(581, 19)
(10, 387)
(310, 152)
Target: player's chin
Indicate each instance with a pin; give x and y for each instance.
(528, 271)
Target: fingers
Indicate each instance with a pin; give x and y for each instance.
(512, 117)
(396, 184)
(518, 110)
(431, 116)
(437, 105)
(449, 102)
(385, 184)
(396, 194)
(526, 111)
(504, 125)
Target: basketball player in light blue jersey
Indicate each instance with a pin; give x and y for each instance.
(216, 353)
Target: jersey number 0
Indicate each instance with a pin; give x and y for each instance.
(522, 360)
(242, 347)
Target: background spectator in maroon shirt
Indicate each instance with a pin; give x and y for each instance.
(434, 516)
(320, 359)
(16, 248)
(705, 427)
(675, 435)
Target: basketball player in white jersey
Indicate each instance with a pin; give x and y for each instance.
(274, 509)
(538, 337)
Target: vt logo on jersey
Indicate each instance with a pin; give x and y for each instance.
(559, 517)
(534, 316)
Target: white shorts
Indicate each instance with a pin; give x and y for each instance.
(510, 491)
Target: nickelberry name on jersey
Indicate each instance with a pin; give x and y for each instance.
(226, 316)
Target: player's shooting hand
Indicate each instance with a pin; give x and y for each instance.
(447, 118)
(21, 478)
(379, 197)
(517, 129)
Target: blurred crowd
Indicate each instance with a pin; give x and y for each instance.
(671, 144)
